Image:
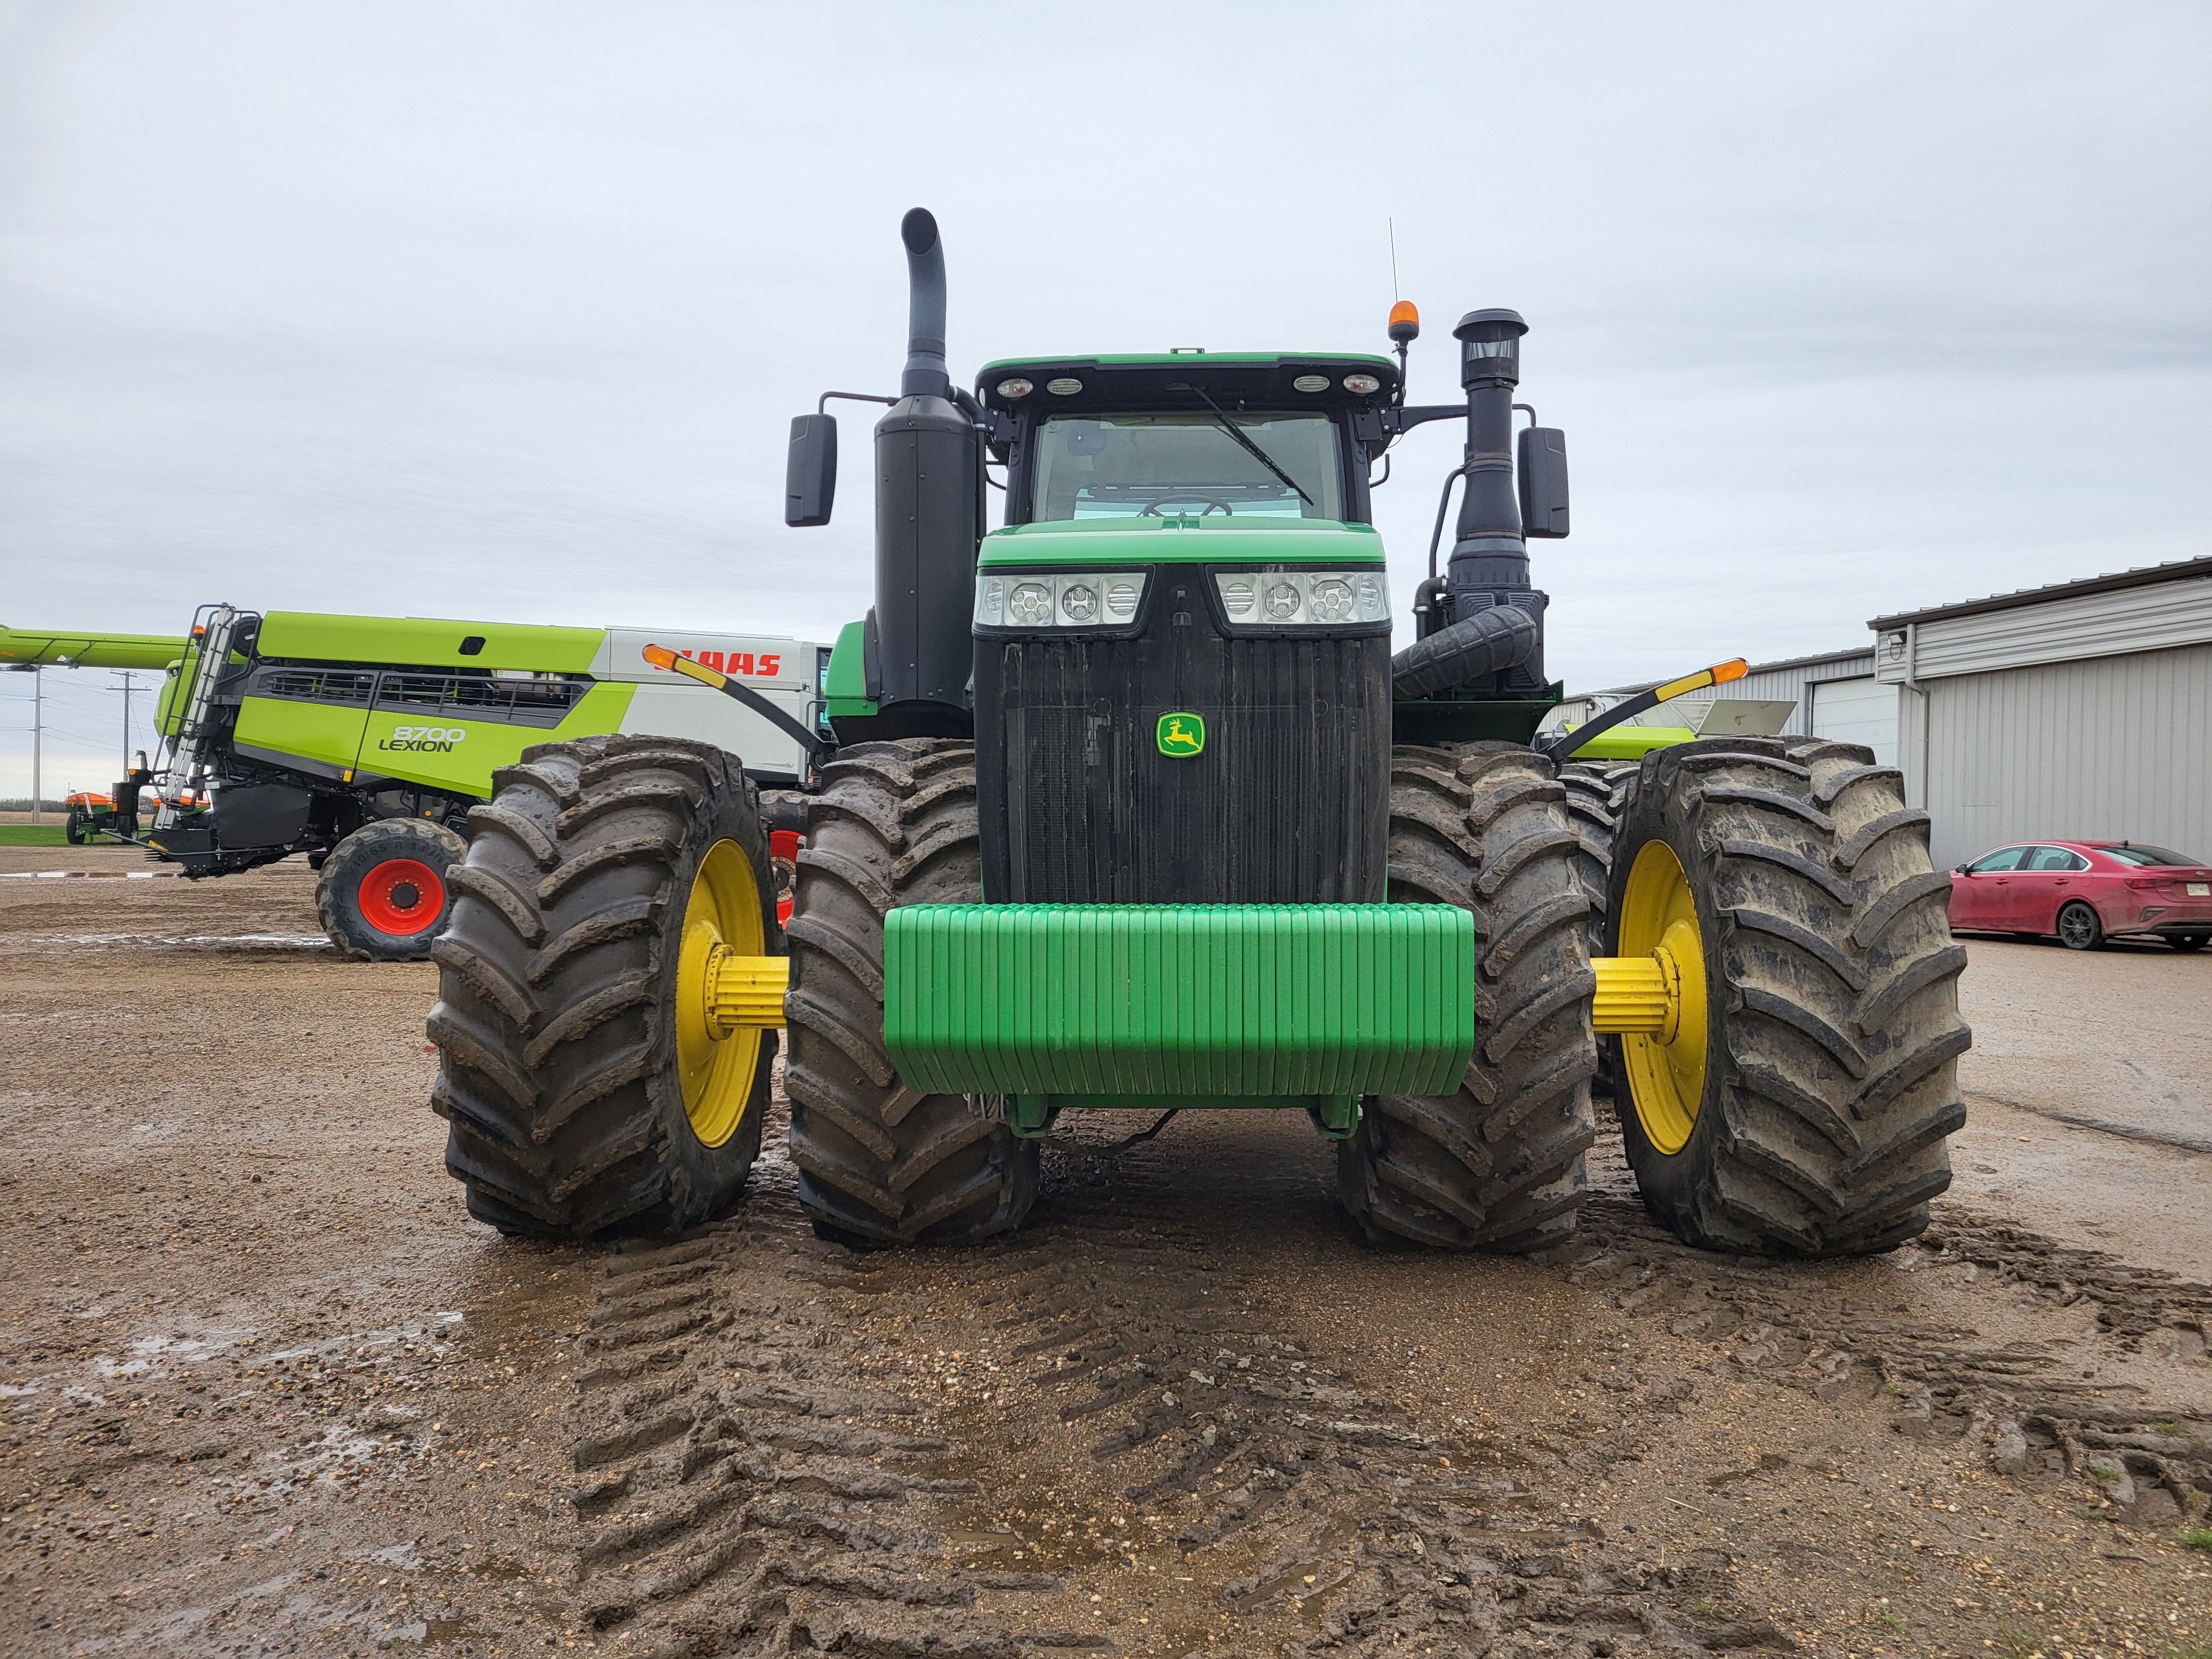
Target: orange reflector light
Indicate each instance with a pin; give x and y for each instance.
(660, 656)
(1724, 672)
(1405, 311)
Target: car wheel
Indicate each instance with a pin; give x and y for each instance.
(2079, 928)
(2189, 941)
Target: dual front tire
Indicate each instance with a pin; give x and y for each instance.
(1802, 1104)
(585, 1093)
(1497, 1164)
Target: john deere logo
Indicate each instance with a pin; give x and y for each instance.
(1181, 735)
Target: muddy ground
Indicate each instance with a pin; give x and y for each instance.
(265, 1389)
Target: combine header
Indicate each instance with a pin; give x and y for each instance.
(1134, 809)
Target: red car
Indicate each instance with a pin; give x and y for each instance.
(2086, 892)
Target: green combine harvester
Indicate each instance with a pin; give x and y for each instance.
(363, 741)
(1131, 806)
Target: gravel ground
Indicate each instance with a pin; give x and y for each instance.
(265, 1389)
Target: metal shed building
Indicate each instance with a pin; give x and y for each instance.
(2083, 709)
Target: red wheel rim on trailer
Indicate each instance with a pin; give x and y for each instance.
(403, 897)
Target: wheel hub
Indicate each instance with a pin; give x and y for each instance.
(1653, 997)
(402, 897)
(728, 991)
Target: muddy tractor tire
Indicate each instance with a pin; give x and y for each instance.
(584, 1092)
(878, 1163)
(382, 894)
(1803, 1106)
(1497, 1165)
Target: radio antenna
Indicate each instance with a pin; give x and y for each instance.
(1393, 224)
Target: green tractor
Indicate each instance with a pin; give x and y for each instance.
(1131, 806)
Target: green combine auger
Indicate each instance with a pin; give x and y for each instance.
(1133, 808)
(364, 742)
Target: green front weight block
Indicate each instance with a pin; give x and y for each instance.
(1180, 1005)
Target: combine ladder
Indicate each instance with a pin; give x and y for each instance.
(213, 631)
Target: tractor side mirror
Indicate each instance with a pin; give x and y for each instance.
(1543, 481)
(809, 475)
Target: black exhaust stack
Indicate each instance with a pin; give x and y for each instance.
(924, 375)
(929, 522)
(1489, 564)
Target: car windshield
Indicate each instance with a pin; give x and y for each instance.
(2148, 855)
(1128, 465)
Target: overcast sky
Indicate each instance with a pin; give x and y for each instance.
(502, 311)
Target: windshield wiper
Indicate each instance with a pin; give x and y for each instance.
(1258, 454)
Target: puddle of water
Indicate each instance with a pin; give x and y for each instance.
(200, 941)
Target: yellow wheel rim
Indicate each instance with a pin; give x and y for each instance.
(725, 909)
(1666, 1075)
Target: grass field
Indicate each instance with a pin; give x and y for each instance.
(31, 835)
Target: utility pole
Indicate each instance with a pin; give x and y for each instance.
(38, 717)
(128, 683)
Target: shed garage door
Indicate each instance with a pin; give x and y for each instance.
(1857, 711)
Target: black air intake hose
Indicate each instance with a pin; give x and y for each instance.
(1475, 647)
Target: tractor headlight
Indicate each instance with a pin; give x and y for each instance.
(1302, 598)
(1087, 598)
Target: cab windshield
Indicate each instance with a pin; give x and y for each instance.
(1128, 465)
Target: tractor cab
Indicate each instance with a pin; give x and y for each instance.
(1188, 434)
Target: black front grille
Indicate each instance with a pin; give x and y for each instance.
(1287, 805)
(512, 702)
(340, 685)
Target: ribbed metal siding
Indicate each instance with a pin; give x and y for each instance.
(1199, 1000)
(2114, 747)
(2162, 617)
(1288, 804)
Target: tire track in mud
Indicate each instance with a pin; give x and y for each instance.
(1093, 1437)
(2118, 1400)
(741, 1489)
(1116, 1432)
(1315, 1515)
